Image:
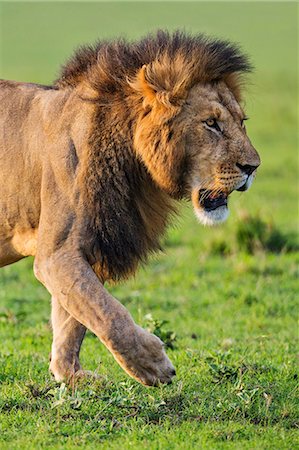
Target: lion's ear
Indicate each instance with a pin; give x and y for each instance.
(149, 83)
(144, 87)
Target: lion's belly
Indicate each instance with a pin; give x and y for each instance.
(17, 246)
(8, 255)
(19, 218)
(24, 242)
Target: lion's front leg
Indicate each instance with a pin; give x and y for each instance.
(68, 335)
(71, 279)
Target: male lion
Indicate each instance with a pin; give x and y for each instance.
(91, 168)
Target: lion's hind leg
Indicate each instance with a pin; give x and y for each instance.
(68, 335)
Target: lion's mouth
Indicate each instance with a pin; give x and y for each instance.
(211, 201)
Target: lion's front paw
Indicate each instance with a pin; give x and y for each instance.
(144, 358)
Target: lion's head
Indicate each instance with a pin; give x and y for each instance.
(191, 132)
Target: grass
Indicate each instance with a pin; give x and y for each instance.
(227, 296)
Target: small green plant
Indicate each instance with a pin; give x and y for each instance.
(156, 327)
(221, 368)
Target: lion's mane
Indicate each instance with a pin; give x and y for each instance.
(127, 210)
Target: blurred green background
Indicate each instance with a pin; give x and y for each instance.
(231, 300)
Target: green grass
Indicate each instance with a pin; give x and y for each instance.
(234, 313)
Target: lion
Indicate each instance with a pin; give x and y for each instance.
(92, 168)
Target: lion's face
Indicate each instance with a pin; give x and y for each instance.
(223, 158)
(202, 152)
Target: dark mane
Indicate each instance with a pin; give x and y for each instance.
(129, 195)
(108, 64)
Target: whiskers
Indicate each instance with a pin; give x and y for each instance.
(214, 186)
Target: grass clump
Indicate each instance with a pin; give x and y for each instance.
(255, 234)
(252, 235)
(220, 247)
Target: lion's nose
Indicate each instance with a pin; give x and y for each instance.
(247, 168)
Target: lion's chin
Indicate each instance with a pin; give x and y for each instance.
(214, 217)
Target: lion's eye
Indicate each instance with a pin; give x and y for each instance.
(212, 123)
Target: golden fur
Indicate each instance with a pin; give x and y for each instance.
(91, 169)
